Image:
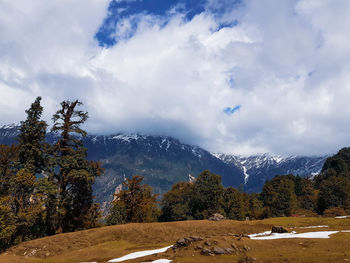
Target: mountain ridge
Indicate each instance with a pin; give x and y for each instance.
(164, 160)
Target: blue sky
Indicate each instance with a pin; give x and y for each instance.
(243, 77)
(119, 10)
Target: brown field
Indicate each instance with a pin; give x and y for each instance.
(105, 243)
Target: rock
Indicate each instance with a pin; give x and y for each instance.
(278, 229)
(206, 251)
(216, 217)
(188, 240)
(181, 242)
(199, 247)
(196, 238)
(230, 250)
(207, 243)
(246, 248)
(234, 246)
(219, 251)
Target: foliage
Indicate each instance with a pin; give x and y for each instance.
(278, 196)
(135, 204)
(233, 204)
(8, 159)
(207, 195)
(176, 202)
(46, 189)
(334, 192)
(31, 140)
(334, 211)
(73, 174)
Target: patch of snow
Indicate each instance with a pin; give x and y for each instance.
(246, 176)
(341, 217)
(196, 152)
(10, 126)
(140, 254)
(191, 179)
(312, 226)
(268, 235)
(277, 159)
(126, 137)
(160, 261)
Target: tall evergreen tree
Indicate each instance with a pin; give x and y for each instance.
(31, 140)
(73, 173)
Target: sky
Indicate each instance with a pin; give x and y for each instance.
(231, 76)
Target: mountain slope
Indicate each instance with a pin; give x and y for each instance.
(162, 161)
(259, 168)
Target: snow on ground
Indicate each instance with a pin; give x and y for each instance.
(160, 261)
(140, 254)
(312, 226)
(268, 235)
(341, 217)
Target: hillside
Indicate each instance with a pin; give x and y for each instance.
(103, 244)
(259, 168)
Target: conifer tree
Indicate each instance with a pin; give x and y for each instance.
(73, 173)
(31, 139)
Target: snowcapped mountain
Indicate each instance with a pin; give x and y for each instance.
(259, 168)
(164, 161)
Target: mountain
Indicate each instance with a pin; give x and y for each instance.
(162, 161)
(259, 168)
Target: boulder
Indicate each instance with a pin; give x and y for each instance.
(206, 251)
(207, 243)
(234, 246)
(181, 242)
(216, 217)
(219, 251)
(278, 229)
(230, 250)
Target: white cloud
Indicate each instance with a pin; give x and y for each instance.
(286, 63)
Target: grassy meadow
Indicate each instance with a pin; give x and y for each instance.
(105, 243)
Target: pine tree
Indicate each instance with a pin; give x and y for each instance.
(73, 173)
(31, 140)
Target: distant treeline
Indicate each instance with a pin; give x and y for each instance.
(327, 194)
(47, 189)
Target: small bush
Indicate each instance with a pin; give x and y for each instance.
(334, 211)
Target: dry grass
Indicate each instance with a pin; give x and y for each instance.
(102, 244)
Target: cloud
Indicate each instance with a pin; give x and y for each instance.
(172, 74)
